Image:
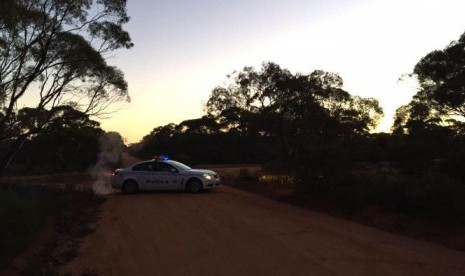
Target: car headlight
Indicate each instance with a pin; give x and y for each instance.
(207, 176)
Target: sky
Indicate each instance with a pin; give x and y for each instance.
(185, 48)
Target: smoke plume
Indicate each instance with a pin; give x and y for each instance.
(111, 146)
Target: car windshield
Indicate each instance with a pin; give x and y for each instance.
(178, 165)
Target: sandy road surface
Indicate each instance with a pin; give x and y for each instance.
(230, 232)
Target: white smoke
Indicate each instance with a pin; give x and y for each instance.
(111, 146)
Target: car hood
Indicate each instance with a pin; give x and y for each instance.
(196, 171)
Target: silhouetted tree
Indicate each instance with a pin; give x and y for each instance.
(274, 102)
(204, 125)
(69, 141)
(440, 101)
(55, 50)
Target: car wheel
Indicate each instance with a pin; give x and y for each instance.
(130, 187)
(194, 186)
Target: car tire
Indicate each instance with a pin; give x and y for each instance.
(130, 187)
(194, 186)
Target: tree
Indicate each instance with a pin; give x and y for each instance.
(53, 51)
(69, 141)
(274, 102)
(440, 101)
(204, 125)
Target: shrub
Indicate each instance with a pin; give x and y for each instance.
(21, 218)
(435, 196)
(26, 210)
(246, 175)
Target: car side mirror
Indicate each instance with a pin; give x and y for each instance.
(173, 170)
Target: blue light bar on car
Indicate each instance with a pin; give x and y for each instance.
(160, 158)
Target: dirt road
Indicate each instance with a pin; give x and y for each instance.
(231, 232)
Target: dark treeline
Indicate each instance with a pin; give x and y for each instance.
(266, 116)
(273, 116)
(68, 141)
(197, 148)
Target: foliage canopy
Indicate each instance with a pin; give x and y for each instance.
(273, 101)
(52, 53)
(440, 101)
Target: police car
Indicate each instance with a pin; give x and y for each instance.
(161, 173)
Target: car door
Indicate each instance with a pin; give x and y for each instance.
(156, 180)
(143, 175)
(169, 176)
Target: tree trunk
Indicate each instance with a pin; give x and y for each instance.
(11, 153)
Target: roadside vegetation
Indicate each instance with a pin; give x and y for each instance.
(60, 216)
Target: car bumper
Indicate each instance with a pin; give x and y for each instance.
(211, 184)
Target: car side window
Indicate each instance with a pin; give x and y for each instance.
(146, 166)
(163, 167)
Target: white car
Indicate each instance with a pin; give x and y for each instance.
(163, 174)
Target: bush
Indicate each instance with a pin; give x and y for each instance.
(246, 175)
(26, 210)
(436, 196)
(21, 219)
